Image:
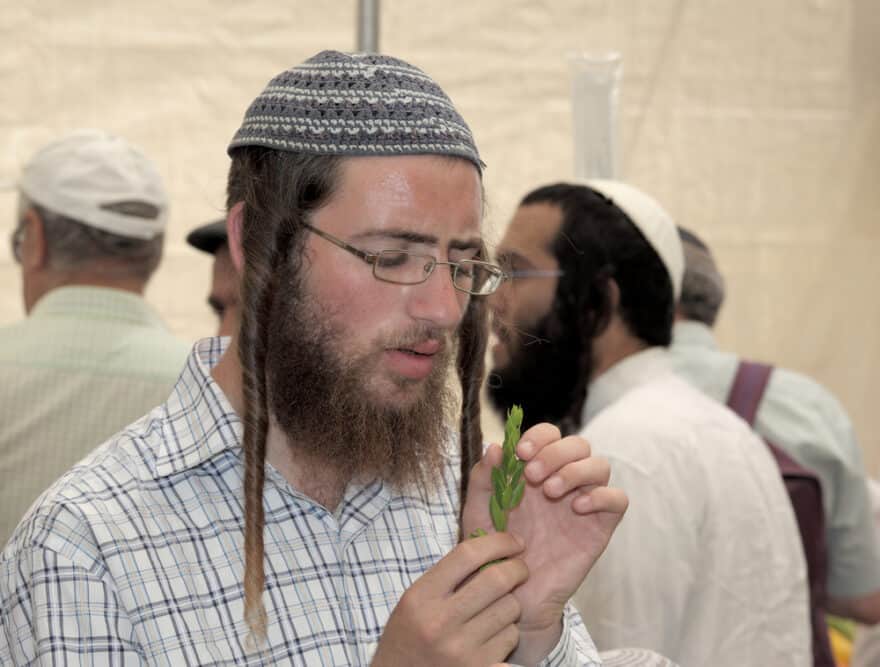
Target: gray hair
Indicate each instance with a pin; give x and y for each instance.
(74, 246)
(702, 289)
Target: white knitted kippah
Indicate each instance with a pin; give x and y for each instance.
(356, 104)
(653, 222)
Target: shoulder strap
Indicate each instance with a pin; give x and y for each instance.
(748, 389)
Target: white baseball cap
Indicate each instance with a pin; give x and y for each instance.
(99, 180)
(652, 220)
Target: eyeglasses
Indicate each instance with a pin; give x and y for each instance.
(15, 242)
(406, 268)
(535, 273)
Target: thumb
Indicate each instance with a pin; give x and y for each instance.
(481, 473)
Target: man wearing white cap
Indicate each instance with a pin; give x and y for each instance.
(92, 355)
(706, 567)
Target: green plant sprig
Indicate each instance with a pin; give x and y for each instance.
(508, 483)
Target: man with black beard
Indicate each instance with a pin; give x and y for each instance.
(707, 566)
(301, 496)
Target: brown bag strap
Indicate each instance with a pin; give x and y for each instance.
(748, 389)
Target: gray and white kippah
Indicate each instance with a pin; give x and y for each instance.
(356, 104)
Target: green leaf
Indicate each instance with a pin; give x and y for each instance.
(507, 482)
(497, 481)
(479, 532)
(505, 497)
(518, 491)
(517, 474)
(512, 428)
(499, 516)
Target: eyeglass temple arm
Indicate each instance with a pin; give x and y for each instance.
(368, 257)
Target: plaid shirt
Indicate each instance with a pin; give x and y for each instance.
(135, 555)
(84, 363)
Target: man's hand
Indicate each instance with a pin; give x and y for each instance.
(456, 614)
(567, 516)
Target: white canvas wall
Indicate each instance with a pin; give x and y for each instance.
(756, 123)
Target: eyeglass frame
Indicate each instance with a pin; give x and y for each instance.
(15, 241)
(371, 258)
(535, 273)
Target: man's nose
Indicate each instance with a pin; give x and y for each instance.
(437, 301)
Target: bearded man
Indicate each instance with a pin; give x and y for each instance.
(707, 568)
(297, 498)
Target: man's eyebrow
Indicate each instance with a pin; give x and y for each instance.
(512, 256)
(469, 244)
(397, 234)
(415, 237)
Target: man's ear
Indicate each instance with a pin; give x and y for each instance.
(612, 301)
(234, 220)
(34, 250)
(613, 295)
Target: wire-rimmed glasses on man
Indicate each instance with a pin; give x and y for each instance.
(403, 267)
(15, 240)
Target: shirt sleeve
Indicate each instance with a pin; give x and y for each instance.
(811, 425)
(853, 554)
(57, 607)
(575, 647)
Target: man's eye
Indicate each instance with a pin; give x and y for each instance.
(466, 269)
(389, 259)
(506, 263)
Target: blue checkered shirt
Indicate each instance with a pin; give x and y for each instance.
(135, 556)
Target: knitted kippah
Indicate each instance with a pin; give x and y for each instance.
(702, 279)
(356, 104)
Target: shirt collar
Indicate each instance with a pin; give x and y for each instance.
(625, 375)
(692, 333)
(200, 421)
(100, 303)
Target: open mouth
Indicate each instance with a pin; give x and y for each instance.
(414, 361)
(427, 348)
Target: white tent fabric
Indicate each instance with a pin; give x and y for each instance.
(754, 123)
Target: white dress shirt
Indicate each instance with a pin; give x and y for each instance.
(706, 567)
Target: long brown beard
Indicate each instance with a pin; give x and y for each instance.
(323, 403)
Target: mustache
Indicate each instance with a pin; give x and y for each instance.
(416, 335)
(507, 332)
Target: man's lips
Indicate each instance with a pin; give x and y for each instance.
(428, 347)
(414, 361)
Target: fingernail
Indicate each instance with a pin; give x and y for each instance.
(526, 448)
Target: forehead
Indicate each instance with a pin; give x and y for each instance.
(429, 194)
(533, 230)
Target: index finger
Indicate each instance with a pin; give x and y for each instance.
(535, 439)
(465, 559)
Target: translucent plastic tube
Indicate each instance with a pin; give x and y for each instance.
(595, 83)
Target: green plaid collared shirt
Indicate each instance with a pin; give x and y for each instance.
(85, 363)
